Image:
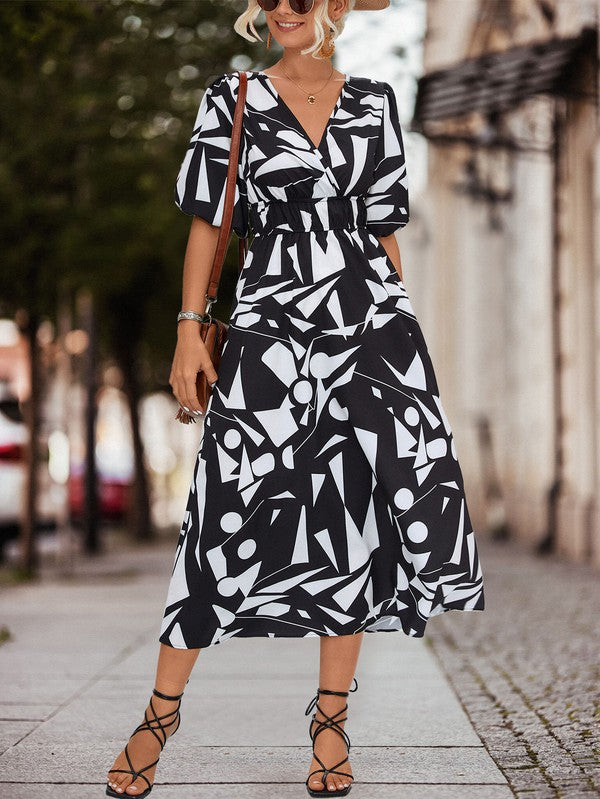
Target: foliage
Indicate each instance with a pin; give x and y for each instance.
(97, 103)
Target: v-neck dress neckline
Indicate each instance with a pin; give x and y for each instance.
(315, 147)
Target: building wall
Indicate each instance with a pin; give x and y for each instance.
(486, 307)
(579, 333)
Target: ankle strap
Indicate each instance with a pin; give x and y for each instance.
(166, 696)
(338, 693)
(313, 702)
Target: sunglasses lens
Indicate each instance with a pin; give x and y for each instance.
(297, 6)
(301, 6)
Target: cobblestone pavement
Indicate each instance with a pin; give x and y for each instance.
(527, 669)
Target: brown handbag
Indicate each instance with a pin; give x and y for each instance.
(213, 331)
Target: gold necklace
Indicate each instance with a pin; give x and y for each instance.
(311, 95)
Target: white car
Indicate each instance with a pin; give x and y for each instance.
(13, 443)
(14, 437)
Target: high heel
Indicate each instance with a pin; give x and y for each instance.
(333, 724)
(148, 724)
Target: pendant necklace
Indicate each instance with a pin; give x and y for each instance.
(311, 95)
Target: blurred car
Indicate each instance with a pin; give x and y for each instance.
(14, 439)
(114, 459)
(113, 495)
(114, 484)
(13, 444)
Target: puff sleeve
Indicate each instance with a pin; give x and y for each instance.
(387, 197)
(200, 185)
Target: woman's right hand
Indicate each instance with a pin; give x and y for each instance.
(191, 357)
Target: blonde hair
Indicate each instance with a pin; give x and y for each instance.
(323, 22)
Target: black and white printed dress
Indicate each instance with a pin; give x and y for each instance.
(326, 498)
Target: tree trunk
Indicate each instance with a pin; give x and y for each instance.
(140, 519)
(91, 519)
(31, 412)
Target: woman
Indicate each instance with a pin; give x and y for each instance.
(327, 498)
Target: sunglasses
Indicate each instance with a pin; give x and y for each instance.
(297, 6)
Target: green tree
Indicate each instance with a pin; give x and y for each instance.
(97, 103)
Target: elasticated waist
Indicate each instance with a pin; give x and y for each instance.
(324, 213)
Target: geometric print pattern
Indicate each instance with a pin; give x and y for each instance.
(327, 496)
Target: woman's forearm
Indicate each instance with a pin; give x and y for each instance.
(191, 355)
(197, 264)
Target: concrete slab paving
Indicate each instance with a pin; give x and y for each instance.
(82, 660)
(263, 715)
(36, 688)
(262, 791)
(25, 712)
(266, 711)
(395, 656)
(11, 732)
(188, 764)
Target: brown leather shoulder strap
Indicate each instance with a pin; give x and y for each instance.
(232, 168)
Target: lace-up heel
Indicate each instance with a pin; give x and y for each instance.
(152, 724)
(331, 723)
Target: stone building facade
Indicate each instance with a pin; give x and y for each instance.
(503, 259)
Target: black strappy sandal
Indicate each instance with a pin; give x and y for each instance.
(148, 724)
(333, 724)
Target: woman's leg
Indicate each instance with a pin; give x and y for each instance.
(172, 672)
(339, 656)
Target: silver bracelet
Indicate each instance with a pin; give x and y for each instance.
(191, 315)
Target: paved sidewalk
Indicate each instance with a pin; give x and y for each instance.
(527, 670)
(79, 668)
